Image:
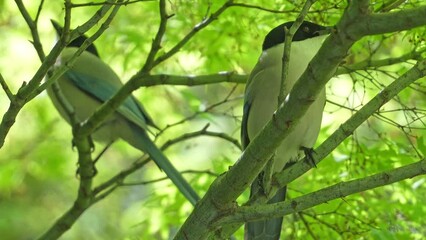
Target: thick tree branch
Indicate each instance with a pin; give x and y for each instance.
(380, 23)
(164, 79)
(339, 190)
(346, 129)
(223, 192)
(233, 77)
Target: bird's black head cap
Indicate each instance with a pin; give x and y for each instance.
(76, 42)
(306, 30)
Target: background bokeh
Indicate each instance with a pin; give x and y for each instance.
(38, 180)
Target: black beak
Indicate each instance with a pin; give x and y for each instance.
(325, 31)
(58, 28)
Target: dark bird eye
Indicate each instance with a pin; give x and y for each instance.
(306, 29)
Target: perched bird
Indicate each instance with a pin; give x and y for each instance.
(89, 83)
(261, 101)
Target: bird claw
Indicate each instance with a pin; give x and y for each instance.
(309, 155)
(94, 172)
(91, 143)
(261, 183)
(261, 188)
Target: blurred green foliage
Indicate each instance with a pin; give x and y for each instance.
(38, 181)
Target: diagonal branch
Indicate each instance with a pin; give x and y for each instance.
(374, 64)
(192, 33)
(31, 89)
(104, 188)
(40, 7)
(339, 190)
(204, 132)
(85, 196)
(289, 33)
(6, 88)
(220, 198)
(32, 24)
(122, 3)
(156, 43)
(136, 81)
(347, 128)
(190, 80)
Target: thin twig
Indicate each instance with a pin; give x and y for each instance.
(200, 133)
(69, 36)
(374, 64)
(40, 7)
(193, 32)
(166, 178)
(307, 226)
(206, 110)
(109, 107)
(85, 197)
(96, 159)
(124, 3)
(33, 28)
(289, 33)
(244, 5)
(156, 43)
(118, 178)
(6, 88)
